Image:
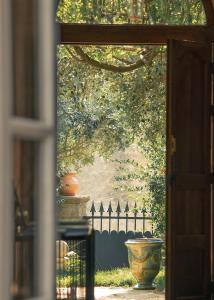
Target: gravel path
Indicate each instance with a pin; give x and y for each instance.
(113, 293)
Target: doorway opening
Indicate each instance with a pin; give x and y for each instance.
(186, 237)
(112, 131)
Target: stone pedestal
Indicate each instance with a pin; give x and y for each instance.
(72, 207)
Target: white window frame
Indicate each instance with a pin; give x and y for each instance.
(42, 131)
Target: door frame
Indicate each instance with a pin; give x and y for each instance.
(85, 34)
(6, 207)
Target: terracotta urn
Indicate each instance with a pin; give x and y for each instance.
(144, 259)
(69, 184)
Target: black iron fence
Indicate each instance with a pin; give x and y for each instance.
(124, 218)
(114, 224)
(75, 261)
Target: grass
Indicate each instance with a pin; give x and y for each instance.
(115, 278)
(124, 278)
(160, 280)
(70, 273)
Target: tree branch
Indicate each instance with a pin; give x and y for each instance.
(72, 55)
(122, 60)
(100, 65)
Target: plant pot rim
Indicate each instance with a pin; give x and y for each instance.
(145, 241)
(70, 173)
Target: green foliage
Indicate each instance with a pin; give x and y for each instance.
(155, 179)
(160, 280)
(120, 11)
(72, 272)
(145, 184)
(124, 278)
(88, 115)
(121, 277)
(99, 112)
(117, 277)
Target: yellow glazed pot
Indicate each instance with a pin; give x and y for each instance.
(144, 259)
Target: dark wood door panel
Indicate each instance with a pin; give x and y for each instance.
(189, 193)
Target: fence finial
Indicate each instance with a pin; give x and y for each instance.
(118, 210)
(126, 208)
(101, 210)
(135, 208)
(132, 216)
(92, 210)
(110, 210)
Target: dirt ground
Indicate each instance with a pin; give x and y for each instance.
(102, 293)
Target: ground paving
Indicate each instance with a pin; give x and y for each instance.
(113, 293)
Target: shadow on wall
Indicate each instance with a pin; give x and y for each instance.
(110, 250)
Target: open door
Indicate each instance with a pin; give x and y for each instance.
(189, 220)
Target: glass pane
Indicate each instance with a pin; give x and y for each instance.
(25, 200)
(131, 12)
(25, 104)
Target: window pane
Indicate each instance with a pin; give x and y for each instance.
(131, 11)
(25, 200)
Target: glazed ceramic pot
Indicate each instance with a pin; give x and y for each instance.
(70, 184)
(144, 259)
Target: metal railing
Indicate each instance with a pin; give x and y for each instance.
(137, 218)
(75, 261)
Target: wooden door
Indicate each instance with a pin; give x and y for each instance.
(188, 163)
